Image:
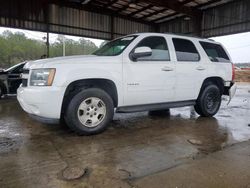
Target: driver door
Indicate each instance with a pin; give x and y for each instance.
(150, 79)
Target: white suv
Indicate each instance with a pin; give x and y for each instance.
(139, 72)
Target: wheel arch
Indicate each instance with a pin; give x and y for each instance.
(218, 81)
(78, 85)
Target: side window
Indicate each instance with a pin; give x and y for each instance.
(159, 49)
(215, 52)
(185, 50)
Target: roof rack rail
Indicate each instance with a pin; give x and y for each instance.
(212, 40)
(184, 35)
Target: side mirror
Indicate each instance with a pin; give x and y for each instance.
(141, 52)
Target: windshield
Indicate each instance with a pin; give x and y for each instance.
(114, 47)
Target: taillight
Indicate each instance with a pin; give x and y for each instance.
(233, 72)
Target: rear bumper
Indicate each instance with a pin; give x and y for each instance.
(232, 92)
(227, 87)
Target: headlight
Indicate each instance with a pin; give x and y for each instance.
(42, 77)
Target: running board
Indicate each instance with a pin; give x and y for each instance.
(152, 107)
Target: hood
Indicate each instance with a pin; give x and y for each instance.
(79, 59)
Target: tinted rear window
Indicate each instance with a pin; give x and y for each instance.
(185, 50)
(215, 52)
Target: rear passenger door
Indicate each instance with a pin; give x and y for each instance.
(190, 69)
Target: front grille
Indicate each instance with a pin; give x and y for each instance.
(24, 82)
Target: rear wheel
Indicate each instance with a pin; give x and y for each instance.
(209, 101)
(90, 111)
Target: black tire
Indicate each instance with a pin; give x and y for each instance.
(209, 101)
(71, 115)
(197, 109)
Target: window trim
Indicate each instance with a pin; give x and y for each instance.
(194, 47)
(150, 59)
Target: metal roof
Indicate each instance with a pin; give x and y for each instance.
(146, 11)
(108, 19)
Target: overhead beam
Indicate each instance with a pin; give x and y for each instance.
(209, 3)
(180, 8)
(123, 8)
(111, 3)
(154, 13)
(104, 11)
(176, 6)
(185, 2)
(141, 10)
(165, 17)
(174, 14)
(196, 20)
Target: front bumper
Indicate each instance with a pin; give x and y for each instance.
(45, 120)
(43, 102)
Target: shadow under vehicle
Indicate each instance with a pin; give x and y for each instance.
(10, 79)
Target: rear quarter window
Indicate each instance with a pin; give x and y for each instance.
(215, 52)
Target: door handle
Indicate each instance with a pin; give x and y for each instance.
(167, 69)
(200, 68)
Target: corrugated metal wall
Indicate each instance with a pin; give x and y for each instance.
(27, 15)
(230, 18)
(123, 27)
(65, 20)
(233, 17)
(178, 25)
(78, 22)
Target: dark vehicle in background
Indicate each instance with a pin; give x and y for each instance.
(10, 79)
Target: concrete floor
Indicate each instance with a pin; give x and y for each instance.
(138, 150)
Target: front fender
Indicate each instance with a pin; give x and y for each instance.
(72, 75)
(90, 74)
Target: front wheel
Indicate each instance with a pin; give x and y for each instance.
(90, 111)
(209, 101)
